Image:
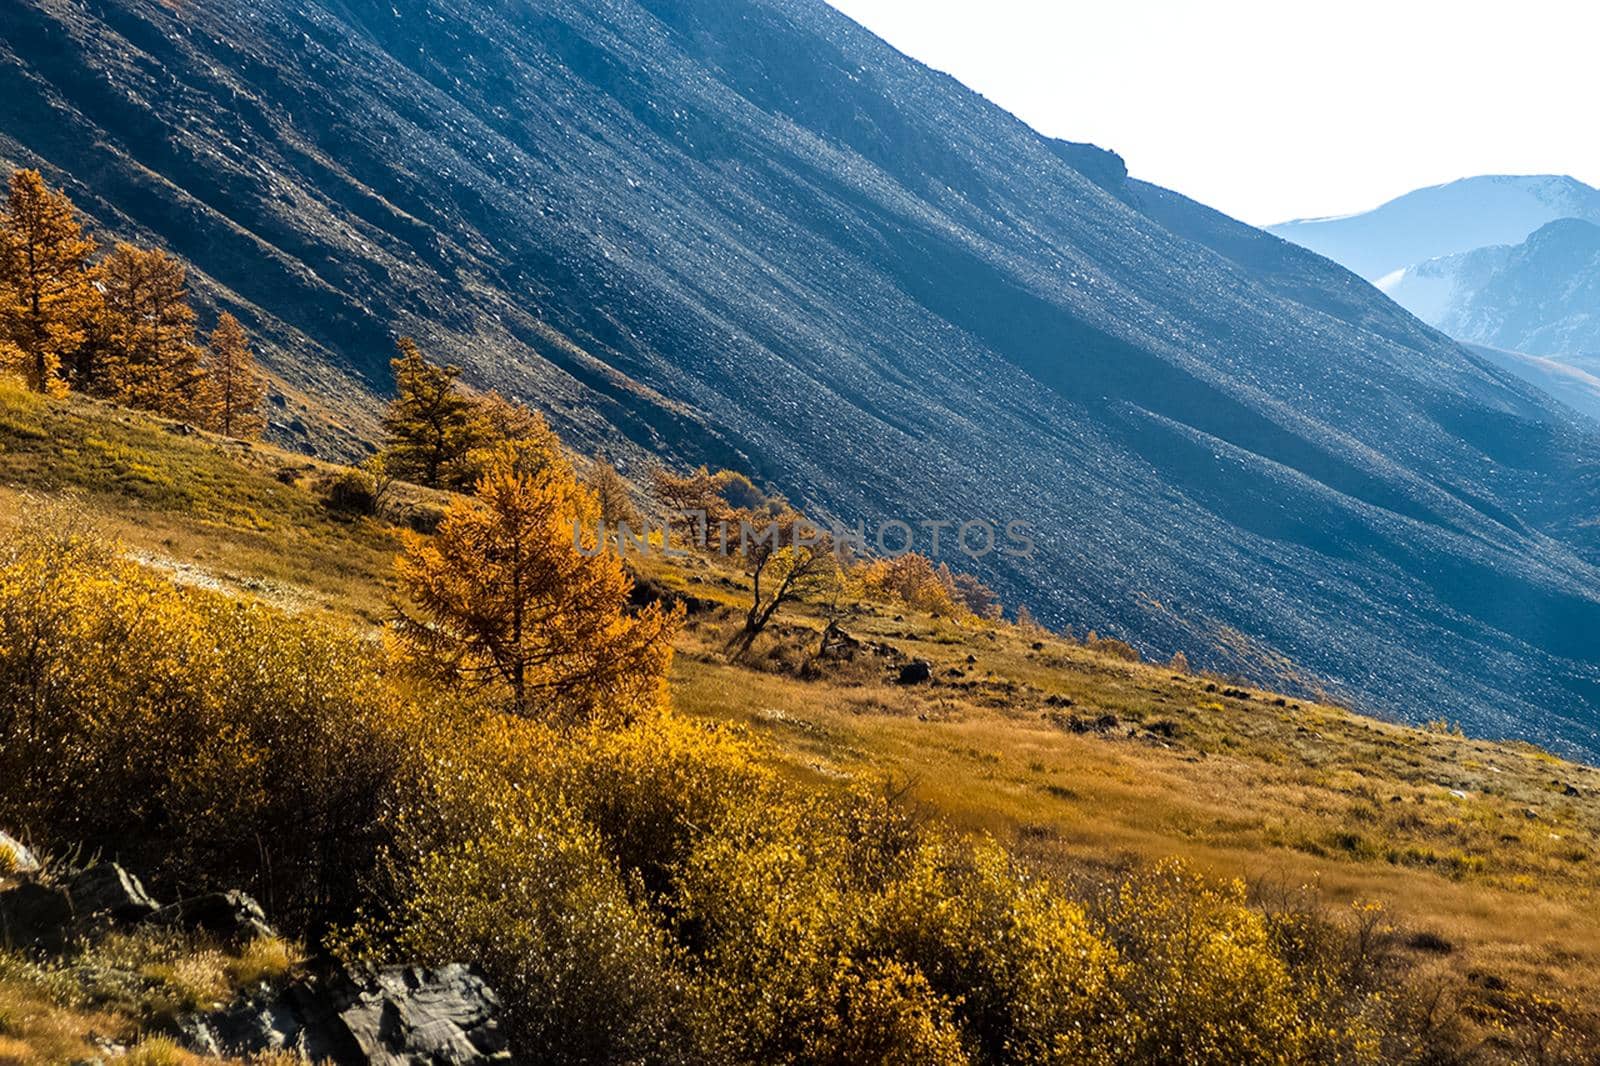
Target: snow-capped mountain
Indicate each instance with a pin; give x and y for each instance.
(1443, 220)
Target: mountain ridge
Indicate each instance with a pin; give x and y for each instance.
(751, 234)
(1441, 220)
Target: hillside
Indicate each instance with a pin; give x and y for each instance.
(1482, 855)
(753, 235)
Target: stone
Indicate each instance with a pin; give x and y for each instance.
(396, 1016)
(46, 916)
(230, 916)
(915, 672)
(35, 917)
(109, 891)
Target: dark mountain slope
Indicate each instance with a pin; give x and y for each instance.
(751, 232)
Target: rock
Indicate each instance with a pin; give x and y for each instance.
(47, 916)
(35, 917)
(230, 916)
(397, 1016)
(21, 860)
(109, 891)
(837, 644)
(916, 672)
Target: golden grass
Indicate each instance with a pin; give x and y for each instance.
(1477, 843)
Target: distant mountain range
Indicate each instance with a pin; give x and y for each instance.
(750, 233)
(1508, 263)
(1443, 220)
(1541, 295)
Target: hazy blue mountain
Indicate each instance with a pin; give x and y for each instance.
(751, 233)
(1540, 296)
(1443, 220)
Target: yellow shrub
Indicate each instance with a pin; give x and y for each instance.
(202, 739)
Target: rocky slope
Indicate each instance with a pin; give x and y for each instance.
(750, 233)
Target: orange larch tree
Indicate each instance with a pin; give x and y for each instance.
(233, 388)
(47, 281)
(152, 359)
(514, 593)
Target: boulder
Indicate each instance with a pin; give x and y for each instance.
(106, 890)
(15, 858)
(35, 917)
(916, 672)
(397, 1016)
(230, 916)
(47, 915)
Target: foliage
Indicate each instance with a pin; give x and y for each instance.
(152, 360)
(354, 490)
(210, 742)
(612, 495)
(913, 580)
(47, 282)
(513, 592)
(430, 425)
(230, 400)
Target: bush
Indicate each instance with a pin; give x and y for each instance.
(353, 491)
(205, 741)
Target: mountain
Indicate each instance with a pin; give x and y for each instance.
(1443, 220)
(1576, 386)
(748, 232)
(1542, 295)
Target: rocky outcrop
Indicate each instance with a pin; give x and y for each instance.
(232, 916)
(48, 915)
(398, 1016)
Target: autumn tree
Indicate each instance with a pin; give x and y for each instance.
(430, 423)
(47, 290)
(974, 595)
(515, 593)
(611, 491)
(785, 555)
(152, 360)
(496, 420)
(233, 387)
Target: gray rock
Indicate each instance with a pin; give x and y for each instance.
(397, 1016)
(22, 860)
(915, 672)
(109, 891)
(231, 916)
(47, 916)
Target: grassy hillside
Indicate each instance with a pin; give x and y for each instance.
(1483, 854)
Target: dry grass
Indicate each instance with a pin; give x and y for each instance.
(1080, 759)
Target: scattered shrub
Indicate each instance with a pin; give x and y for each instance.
(353, 491)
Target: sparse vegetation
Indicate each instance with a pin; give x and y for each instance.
(727, 875)
(120, 327)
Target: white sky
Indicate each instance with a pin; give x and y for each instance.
(1276, 109)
